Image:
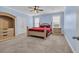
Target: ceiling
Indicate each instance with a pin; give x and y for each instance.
(47, 9)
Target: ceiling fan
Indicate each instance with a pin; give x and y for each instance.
(35, 9)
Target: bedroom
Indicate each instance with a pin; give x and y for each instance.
(25, 16)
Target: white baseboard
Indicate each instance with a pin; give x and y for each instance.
(73, 50)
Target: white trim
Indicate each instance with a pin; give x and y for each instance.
(73, 50)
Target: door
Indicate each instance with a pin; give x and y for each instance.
(36, 22)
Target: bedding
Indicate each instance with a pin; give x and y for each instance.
(40, 29)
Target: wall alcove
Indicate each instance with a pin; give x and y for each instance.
(7, 26)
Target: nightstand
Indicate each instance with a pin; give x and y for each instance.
(56, 30)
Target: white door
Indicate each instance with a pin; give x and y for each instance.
(36, 22)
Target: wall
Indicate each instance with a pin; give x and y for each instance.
(21, 19)
(48, 18)
(77, 22)
(29, 21)
(77, 29)
(70, 26)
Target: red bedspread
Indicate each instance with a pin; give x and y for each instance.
(40, 29)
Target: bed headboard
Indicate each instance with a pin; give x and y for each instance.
(45, 25)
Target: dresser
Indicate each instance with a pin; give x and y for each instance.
(6, 33)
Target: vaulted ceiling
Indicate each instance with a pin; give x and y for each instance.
(47, 9)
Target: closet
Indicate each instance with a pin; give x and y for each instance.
(7, 26)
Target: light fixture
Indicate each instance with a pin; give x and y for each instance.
(35, 9)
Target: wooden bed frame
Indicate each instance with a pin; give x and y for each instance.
(39, 34)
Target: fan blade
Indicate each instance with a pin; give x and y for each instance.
(40, 9)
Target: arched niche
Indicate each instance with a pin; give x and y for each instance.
(7, 24)
(7, 15)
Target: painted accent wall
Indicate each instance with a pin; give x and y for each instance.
(21, 21)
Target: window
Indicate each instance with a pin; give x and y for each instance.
(36, 22)
(56, 22)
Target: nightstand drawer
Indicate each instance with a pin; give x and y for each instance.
(56, 30)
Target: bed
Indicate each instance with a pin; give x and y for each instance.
(44, 30)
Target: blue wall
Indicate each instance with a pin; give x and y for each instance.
(48, 18)
(29, 21)
(70, 25)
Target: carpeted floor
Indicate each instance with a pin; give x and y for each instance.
(23, 44)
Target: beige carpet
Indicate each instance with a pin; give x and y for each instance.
(23, 44)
